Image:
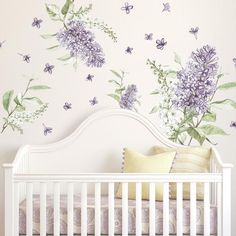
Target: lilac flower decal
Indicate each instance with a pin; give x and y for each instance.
(1, 43)
(234, 61)
(67, 106)
(48, 68)
(233, 124)
(37, 22)
(47, 130)
(127, 8)
(166, 7)
(25, 57)
(194, 31)
(128, 99)
(80, 42)
(196, 83)
(90, 78)
(161, 43)
(93, 101)
(149, 36)
(129, 50)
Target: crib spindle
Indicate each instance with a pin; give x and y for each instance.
(57, 209)
(193, 209)
(29, 209)
(138, 209)
(206, 209)
(70, 209)
(165, 209)
(124, 209)
(152, 209)
(98, 209)
(16, 208)
(43, 222)
(84, 209)
(179, 203)
(111, 208)
(219, 209)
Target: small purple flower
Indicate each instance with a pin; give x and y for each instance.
(1, 43)
(47, 130)
(194, 31)
(48, 68)
(37, 22)
(161, 43)
(90, 78)
(127, 7)
(149, 36)
(234, 61)
(233, 124)
(25, 57)
(93, 101)
(128, 99)
(67, 106)
(129, 50)
(166, 7)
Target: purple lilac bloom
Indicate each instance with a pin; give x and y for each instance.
(80, 42)
(166, 7)
(90, 78)
(1, 43)
(47, 130)
(128, 99)
(37, 22)
(233, 124)
(234, 61)
(196, 82)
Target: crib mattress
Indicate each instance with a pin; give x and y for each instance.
(118, 216)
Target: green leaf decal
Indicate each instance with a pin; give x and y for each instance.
(114, 81)
(212, 130)
(17, 101)
(210, 117)
(195, 134)
(66, 7)
(53, 12)
(116, 97)
(53, 47)
(154, 110)
(116, 74)
(225, 86)
(155, 92)
(225, 102)
(48, 36)
(177, 59)
(6, 99)
(35, 99)
(39, 87)
(64, 58)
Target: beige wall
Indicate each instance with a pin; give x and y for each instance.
(216, 21)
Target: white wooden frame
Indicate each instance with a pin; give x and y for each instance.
(219, 193)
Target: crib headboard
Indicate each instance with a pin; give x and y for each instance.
(95, 146)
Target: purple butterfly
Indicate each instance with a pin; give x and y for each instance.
(233, 124)
(1, 43)
(234, 61)
(149, 36)
(161, 43)
(129, 50)
(48, 68)
(194, 31)
(37, 22)
(67, 106)
(93, 101)
(47, 130)
(166, 7)
(90, 78)
(25, 58)
(127, 8)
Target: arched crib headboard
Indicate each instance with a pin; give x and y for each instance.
(95, 146)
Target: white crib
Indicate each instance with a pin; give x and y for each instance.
(89, 162)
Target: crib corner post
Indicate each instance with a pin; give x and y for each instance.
(226, 216)
(9, 200)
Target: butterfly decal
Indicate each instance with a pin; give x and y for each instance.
(148, 36)
(67, 106)
(93, 101)
(25, 57)
(90, 78)
(127, 8)
(48, 68)
(37, 22)
(47, 130)
(1, 43)
(161, 43)
(166, 7)
(129, 50)
(233, 124)
(234, 61)
(194, 31)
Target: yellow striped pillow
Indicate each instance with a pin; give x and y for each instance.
(188, 160)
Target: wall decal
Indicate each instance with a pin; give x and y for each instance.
(48, 68)
(149, 36)
(46, 130)
(1, 43)
(93, 101)
(19, 110)
(25, 57)
(161, 43)
(129, 50)
(127, 8)
(90, 78)
(166, 7)
(234, 61)
(194, 32)
(233, 124)
(37, 22)
(74, 36)
(126, 96)
(187, 97)
(67, 106)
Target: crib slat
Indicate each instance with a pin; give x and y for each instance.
(206, 209)
(98, 209)
(29, 209)
(16, 208)
(43, 222)
(193, 209)
(179, 203)
(70, 209)
(57, 209)
(111, 208)
(84, 209)
(124, 209)
(152, 209)
(138, 209)
(219, 209)
(165, 209)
